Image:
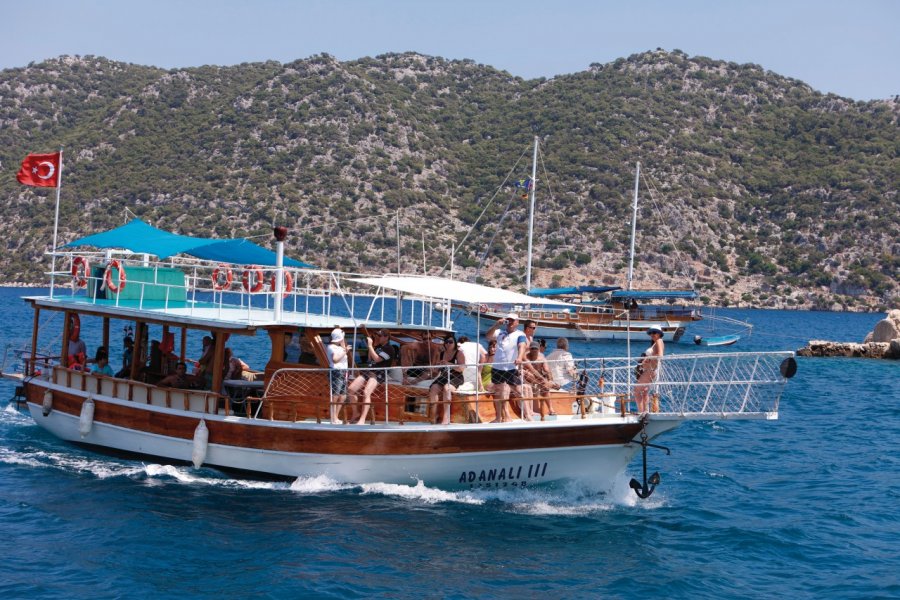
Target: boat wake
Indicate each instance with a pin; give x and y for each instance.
(569, 500)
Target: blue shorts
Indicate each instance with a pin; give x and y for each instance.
(338, 379)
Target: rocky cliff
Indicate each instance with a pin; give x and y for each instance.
(757, 189)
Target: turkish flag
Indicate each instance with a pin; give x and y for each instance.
(40, 170)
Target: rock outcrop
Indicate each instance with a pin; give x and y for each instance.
(886, 329)
(881, 342)
(851, 349)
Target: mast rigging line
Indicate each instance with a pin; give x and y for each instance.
(484, 210)
(652, 193)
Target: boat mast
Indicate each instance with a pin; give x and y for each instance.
(531, 214)
(637, 178)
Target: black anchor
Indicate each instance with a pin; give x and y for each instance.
(645, 490)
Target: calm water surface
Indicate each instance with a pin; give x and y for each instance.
(807, 506)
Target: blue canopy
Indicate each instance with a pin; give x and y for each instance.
(581, 289)
(654, 295)
(140, 237)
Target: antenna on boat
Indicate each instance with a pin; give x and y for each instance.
(531, 214)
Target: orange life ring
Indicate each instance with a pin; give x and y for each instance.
(288, 283)
(74, 326)
(256, 274)
(80, 275)
(108, 280)
(222, 271)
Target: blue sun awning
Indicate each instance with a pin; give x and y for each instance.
(137, 236)
(580, 289)
(654, 295)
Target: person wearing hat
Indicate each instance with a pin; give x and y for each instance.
(508, 358)
(336, 351)
(647, 368)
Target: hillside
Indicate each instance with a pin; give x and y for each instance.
(757, 189)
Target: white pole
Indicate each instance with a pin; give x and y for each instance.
(279, 278)
(56, 226)
(531, 214)
(452, 254)
(398, 242)
(637, 178)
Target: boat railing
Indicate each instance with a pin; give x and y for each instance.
(710, 386)
(723, 385)
(247, 288)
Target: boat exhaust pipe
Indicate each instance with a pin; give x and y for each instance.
(644, 490)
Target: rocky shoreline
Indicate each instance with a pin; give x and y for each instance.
(882, 342)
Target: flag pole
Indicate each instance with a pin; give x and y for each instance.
(56, 225)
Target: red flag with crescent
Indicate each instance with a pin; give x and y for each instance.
(40, 170)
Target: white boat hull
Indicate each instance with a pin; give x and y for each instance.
(636, 333)
(596, 467)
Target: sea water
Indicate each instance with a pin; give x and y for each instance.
(807, 506)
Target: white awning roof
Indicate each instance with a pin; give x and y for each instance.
(453, 290)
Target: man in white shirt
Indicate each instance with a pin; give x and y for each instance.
(505, 377)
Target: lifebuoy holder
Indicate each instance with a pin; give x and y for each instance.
(108, 279)
(288, 283)
(252, 279)
(222, 278)
(81, 270)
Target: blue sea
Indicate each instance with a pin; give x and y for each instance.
(804, 507)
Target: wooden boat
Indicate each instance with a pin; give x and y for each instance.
(615, 318)
(279, 425)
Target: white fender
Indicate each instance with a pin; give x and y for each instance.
(86, 421)
(47, 404)
(201, 440)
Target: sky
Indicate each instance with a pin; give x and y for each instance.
(847, 47)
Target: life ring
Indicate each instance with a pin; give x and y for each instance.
(80, 275)
(254, 274)
(108, 280)
(217, 282)
(74, 326)
(288, 283)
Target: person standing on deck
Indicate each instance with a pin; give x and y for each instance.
(505, 376)
(647, 369)
(337, 362)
